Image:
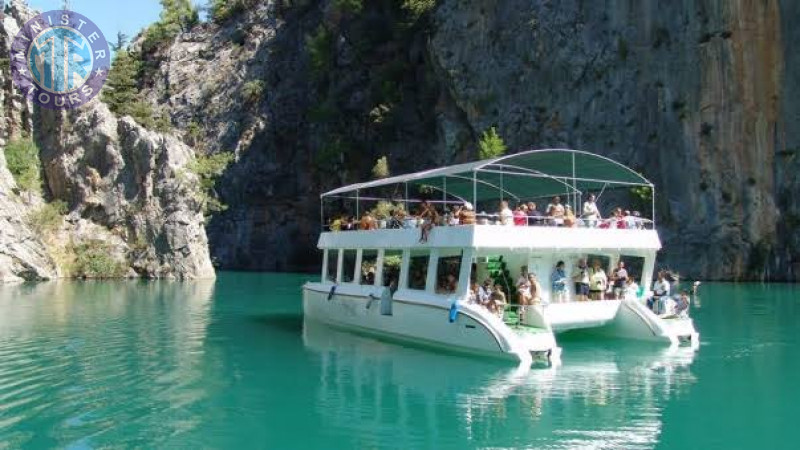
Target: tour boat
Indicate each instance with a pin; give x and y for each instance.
(390, 281)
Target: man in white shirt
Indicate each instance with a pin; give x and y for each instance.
(660, 293)
(506, 215)
(556, 211)
(591, 213)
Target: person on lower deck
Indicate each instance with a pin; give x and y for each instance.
(661, 290)
(682, 306)
(497, 300)
(620, 277)
(631, 291)
(598, 281)
(535, 289)
(558, 281)
(581, 278)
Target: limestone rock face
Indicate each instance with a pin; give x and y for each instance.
(22, 255)
(700, 96)
(132, 181)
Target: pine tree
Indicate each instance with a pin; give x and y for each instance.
(121, 88)
(122, 41)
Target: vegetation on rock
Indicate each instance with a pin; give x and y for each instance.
(208, 169)
(47, 218)
(22, 159)
(491, 145)
(252, 91)
(320, 50)
(220, 11)
(381, 168)
(176, 16)
(95, 259)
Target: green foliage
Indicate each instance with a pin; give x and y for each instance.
(349, 6)
(491, 145)
(176, 16)
(381, 168)
(48, 218)
(121, 88)
(642, 197)
(208, 169)
(220, 11)
(393, 261)
(95, 259)
(22, 159)
(122, 42)
(194, 133)
(320, 50)
(418, 8)
(252, 91)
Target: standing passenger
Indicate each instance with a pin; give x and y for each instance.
(558, 282)
(620, 277)
(466, 215)
(591, 214)
(598, 280)
(581, 278)
(533, 214)
(506, 216)
(555, 211)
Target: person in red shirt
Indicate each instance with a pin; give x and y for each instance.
(521, 215)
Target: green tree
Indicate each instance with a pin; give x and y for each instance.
(491, 145)
(176, 16)
(121, 88)
(22, 159)
(320, 49)
(381, 168)
(122, 42)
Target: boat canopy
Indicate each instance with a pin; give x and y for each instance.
(520, 176)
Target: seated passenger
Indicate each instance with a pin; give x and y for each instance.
(454, 217)
(535, 289)
(367, 222)
(682, 304)
(661, 290)
(569, 217)
(558, 283)
(472, 295)
(533, 214)
(506, 216)
(485, 291)
(521, 215)
(631, 291)
(336, 225)
(466, 215)
(397, 219)
(497, 300)
(523, 275)
(555, 211)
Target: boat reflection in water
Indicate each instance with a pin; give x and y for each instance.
(601, 397)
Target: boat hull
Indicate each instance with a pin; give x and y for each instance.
(424, 323)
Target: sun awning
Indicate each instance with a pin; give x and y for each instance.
(520, 176)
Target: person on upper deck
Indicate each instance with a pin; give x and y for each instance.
(336, 225)
(558, 281)
(533, 214)
(367, 222)
(521, 215)
(569, 217)
(429, 217)
(466, 215)
(506, 216)
(591, 214)
(581, 278)
(555, 211)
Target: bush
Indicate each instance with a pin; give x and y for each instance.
(208, 169)
(95, 259)
(491, 145)
(194, 133)
(320, 50)
(48, 218)
(22, 159)
(220, 11)
(418, 8)
(381, 169)
(252, 91)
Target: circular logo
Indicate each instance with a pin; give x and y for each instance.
(60, 59)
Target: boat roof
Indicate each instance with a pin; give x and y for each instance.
(527, 174)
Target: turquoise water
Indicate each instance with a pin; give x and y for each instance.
(230, 365)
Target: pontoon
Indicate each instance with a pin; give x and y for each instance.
(390, 282)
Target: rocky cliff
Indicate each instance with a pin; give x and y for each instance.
(130, 203)
(698, 95)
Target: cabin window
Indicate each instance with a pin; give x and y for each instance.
(369, 266)
(447, 271)
(333, 261)
(418, 270)
(392, 260)
(349, 266)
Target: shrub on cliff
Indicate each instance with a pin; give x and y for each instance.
(22, 159)
(381, 168)
(95, 259)
(121, 88)
(220, 11)
(176, 16)
(46, 219)
(208, 169)
(252, 91)
(491, 145)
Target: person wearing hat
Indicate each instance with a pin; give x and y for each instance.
(466, 216)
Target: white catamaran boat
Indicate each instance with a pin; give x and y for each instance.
(388, 278)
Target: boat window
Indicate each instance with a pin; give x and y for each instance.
(333, 261)
(348, 266)
(418, 270)
(447, 271)
(392, 259)
(369, 266)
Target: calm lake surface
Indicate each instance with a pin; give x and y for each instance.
(230, 364)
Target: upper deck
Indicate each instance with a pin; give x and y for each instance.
(631, 241)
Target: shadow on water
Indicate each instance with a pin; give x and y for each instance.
(285, 322)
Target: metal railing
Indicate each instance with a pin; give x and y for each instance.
(626, 223)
